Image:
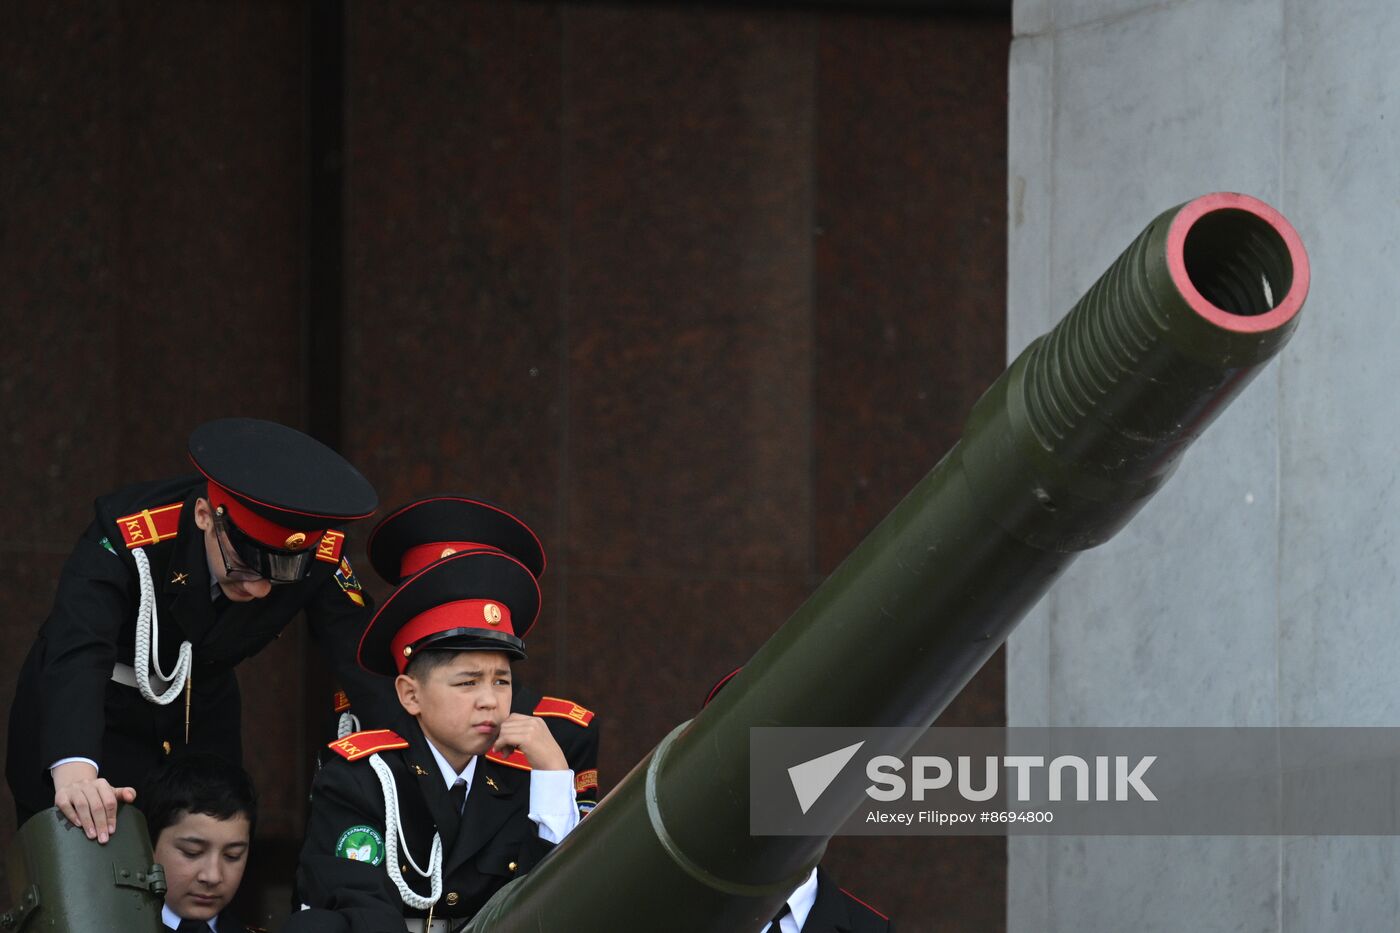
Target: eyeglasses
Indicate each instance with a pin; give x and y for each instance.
(247, 561)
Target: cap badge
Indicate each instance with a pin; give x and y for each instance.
(447, 552)
(492, 613)
(407, 650)
(295, 540)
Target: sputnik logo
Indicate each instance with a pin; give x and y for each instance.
(811, 778)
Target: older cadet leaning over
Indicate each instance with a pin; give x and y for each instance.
(172, 585)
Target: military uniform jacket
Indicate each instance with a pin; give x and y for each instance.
(341, 867)
(836, 911)
(66, 704)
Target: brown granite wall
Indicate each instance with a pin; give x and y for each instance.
(150, 278)
(698, 292)
(701, 293)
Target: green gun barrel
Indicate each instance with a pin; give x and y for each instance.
(63, 882)
(1059, 453)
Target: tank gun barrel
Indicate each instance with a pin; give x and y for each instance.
(1062, 450)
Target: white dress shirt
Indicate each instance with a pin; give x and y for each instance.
(172, 921)
(552, 805)
(799, 904)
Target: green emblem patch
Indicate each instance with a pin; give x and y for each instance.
(361, 844)
(108, 545)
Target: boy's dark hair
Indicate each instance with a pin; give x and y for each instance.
(197, 782)
(423, 663)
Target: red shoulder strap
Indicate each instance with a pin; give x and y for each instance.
(150, 525)
(359, 745)
(516, 759)
(328, 549)
(564, 709)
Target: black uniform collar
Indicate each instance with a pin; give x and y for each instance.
(189, 563)
(187, 576)
(830, 912)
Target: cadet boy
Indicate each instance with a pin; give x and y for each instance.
(201, 812)
(818, 905)
(429, 529)
(422, 828)
(170, 587)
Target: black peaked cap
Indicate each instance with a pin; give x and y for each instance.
(451, 518)
(481, 574)
(281, 473)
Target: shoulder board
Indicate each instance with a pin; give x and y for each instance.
(865, 905)
(359, 745)
(564, 709)
(329, 547)
(516, 759)
(149, 526)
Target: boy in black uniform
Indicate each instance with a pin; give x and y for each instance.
(171, 586)
(424, 827)
(426, 530)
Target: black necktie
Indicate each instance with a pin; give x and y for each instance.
(776, 917)
(193, 926)
(458, 793)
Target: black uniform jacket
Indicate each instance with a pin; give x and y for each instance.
(67, 705)
(834, 910)
(492, 842)
(577, 740)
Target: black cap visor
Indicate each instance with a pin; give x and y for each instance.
(471, 639)
(258, 561)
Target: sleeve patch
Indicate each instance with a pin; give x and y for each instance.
(345, 576)
(361, 844)
(150, 526)
(586, 780)
(363, 744)
(328, 548)
(564, 709)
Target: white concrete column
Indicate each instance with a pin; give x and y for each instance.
(1258, 588)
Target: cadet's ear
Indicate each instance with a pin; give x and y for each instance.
(407, 689)
(203, 515)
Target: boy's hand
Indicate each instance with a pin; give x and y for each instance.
(87, 800)
(531, 736)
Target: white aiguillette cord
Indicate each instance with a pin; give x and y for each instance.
(393, 835)
(148, 645)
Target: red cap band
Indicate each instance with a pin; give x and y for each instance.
(261, 530)
(485, 614)
(420, 556)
